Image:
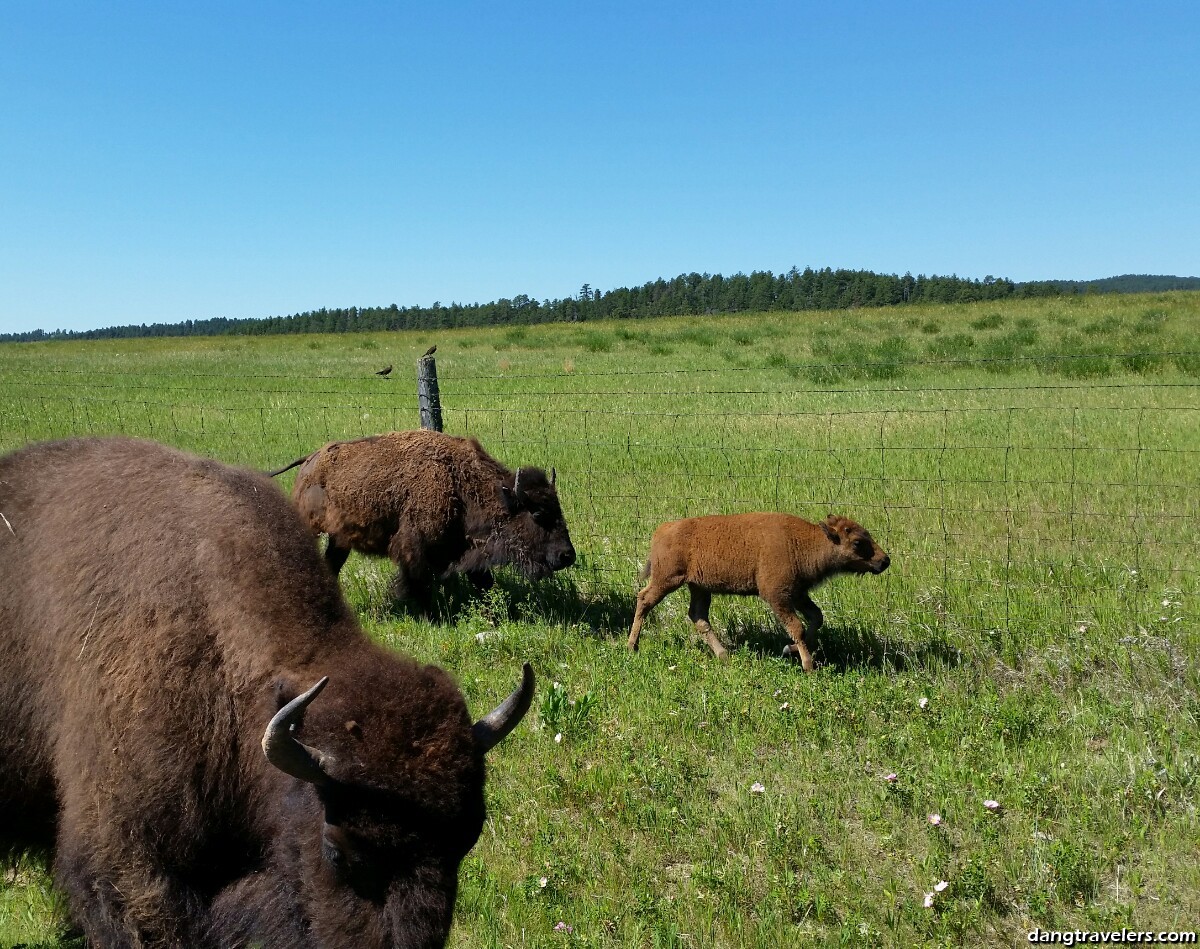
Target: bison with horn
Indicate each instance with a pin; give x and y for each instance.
(163, 620)
(436, 505)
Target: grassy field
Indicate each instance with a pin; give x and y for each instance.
(1032, 468)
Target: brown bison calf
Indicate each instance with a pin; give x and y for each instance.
(436, 505)
(776, 556)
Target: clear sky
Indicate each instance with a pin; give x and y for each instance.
(186, 160)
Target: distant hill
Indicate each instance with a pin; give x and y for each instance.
(1129, 283)
(687, 294)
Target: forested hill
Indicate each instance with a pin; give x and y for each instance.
(1129, 283)
(686, 294)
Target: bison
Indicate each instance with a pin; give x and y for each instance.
(197, 728)
(436, 505)
(776, 556)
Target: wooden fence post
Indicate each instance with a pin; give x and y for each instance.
(429, 401)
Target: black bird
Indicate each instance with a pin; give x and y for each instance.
(384, 371)
(430, 351)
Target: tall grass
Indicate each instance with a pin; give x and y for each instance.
(1034, 642)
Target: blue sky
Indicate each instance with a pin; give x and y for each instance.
(170, 161)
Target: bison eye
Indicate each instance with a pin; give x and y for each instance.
(332, 847)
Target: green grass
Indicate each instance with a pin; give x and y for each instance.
(1042, 518)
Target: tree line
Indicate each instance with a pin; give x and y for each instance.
(687, 294)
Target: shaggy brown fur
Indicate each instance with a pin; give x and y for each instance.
(776, 556)
(435, 504)
(156, 609)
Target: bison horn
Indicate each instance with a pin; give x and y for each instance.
(494, 727)
(517, 483)
(553, 477)
(284, 751)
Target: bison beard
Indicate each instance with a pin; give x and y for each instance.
(162, 621)
(436, 505)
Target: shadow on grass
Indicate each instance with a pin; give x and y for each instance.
(556, 600)
(851, 647)
(69, 939)
(607, 614)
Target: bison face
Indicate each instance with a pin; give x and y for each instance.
(858, 552)
(399, 788)
(539, 537)
(389, 866)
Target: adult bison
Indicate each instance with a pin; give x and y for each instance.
(435, 504)
(166, 631)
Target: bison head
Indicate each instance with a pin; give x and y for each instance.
(857, 551)
(394, 801)
(538, 536)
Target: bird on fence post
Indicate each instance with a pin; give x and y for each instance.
(430, 351)
(385, 370)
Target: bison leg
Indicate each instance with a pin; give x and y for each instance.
(647, 599)
(413, 583)
(481, 580)
(698, 614)
(254, 908)
(94, 905)
(414, 589)
(335, 556)
(814, 619)
(142, 907)
(795, 628)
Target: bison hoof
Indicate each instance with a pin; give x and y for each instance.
(793, 653)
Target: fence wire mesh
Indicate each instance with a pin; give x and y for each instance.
(1005, 506)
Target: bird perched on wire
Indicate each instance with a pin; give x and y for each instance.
(430, 351)
(384, 371)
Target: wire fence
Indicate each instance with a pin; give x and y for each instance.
(1027, 502)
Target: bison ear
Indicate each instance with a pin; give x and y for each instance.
(509, 499)
(284, 692)
(830, 532)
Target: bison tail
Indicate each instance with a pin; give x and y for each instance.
(298, 461)
(644, 575)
